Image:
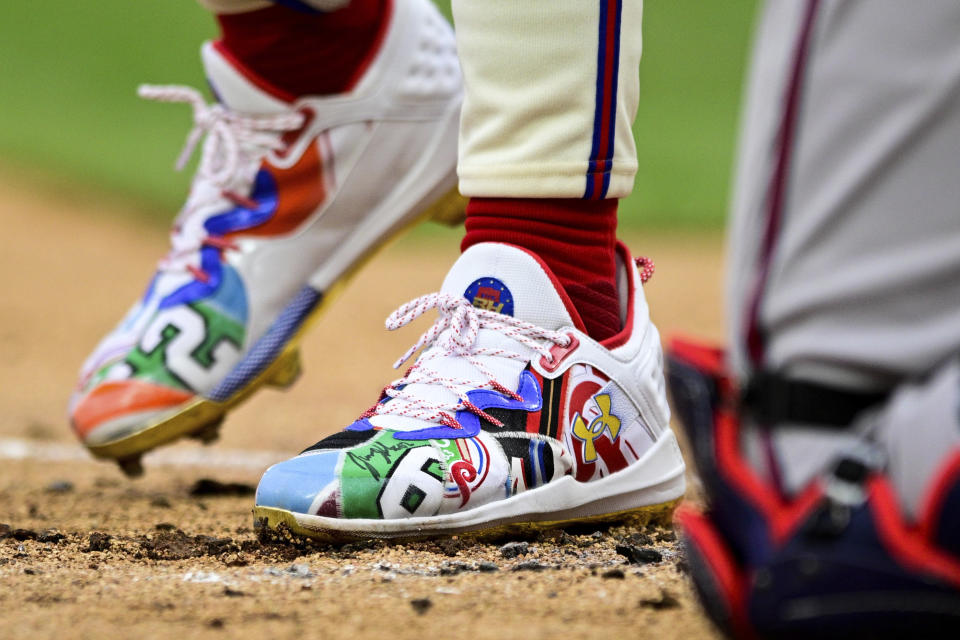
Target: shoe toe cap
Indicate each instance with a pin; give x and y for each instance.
(113, 408)
(295, 485)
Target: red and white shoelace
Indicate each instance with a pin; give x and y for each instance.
(231, 140)
(455, 333)
(226, 131)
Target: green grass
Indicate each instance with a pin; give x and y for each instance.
(69, 71)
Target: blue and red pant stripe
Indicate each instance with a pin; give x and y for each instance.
(605, 108)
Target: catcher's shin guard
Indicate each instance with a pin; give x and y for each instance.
(836, 560)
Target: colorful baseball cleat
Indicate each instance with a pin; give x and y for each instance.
(289, 198)
(838, 560)
(511, 418)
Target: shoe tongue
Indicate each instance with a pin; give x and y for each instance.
(514, 282)
(506, 279)
(234, 87)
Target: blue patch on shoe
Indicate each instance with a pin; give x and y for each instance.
(490, 294)
(236, 219)
(531, 399)
(294, 484)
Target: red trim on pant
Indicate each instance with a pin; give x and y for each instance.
(756, 340)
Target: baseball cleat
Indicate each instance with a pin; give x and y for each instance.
(288, 200)
(840, 559)
(511, 418)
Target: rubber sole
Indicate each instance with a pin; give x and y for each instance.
(282, 525)
(201, 417)
(646, 490)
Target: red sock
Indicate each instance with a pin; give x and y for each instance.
(576, 238)
(306, 53)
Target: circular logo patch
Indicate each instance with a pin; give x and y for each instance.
(490, 294)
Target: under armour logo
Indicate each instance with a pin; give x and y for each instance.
(605, 422)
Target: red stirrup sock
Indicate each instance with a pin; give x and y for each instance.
(302, 53)
(576, 238)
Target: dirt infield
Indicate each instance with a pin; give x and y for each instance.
(86, 553)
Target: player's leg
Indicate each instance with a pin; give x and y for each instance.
(845, 248)
(546, 148)
(846, 238)
(332, 132)
(539, 396)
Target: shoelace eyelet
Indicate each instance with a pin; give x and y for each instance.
(558, 354)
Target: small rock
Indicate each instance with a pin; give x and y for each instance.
(98, 542)
(50, 536)
(615, 574)
(235, 560)
(453, 568)
(666, 536)
(530, 565)
(23, 534)
(5, 530)
(160, 501)
(487, 567)
(639, 539)
(210, 487)
(30, 571)
(665, 601)
(232, 593)
(59, 486)
(639, 555)
(216, 623)
(164, 526)
(514, 549)
(420, 605)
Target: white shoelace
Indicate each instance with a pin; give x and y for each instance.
(232, 141)
(455, 333)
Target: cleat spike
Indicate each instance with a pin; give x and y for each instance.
(288, 369)
(132, 467)
(209, 433)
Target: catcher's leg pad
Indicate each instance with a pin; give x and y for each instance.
(838, 560)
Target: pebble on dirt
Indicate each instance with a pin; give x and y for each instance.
(514, 549)
(50, 536)
(666, 601)
(23, 534)
(639, 555)
(420, 605)
(210, 487)
(59, 486)
(98, 542)
(160, 501)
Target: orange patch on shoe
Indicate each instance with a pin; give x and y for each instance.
(300, 191)
(114, 399)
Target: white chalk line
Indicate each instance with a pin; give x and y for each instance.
(26, 449)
